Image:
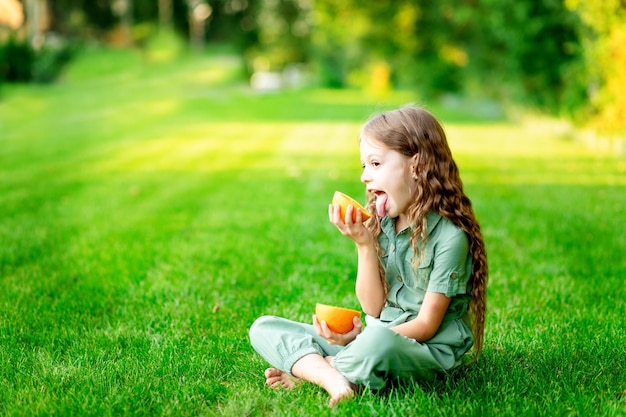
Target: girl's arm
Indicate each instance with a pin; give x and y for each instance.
(427, 322)
(451, 255)
(369, 288)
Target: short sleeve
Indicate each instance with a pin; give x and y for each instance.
(450, 274)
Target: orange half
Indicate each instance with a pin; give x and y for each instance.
(344, 200)
(338, 319)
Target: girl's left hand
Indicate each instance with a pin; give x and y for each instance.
(341, 339)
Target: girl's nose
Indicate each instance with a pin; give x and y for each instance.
(365, 178)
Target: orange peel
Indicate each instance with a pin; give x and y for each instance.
(344, 201)
(338, 319)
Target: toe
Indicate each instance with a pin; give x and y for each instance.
(271, 372)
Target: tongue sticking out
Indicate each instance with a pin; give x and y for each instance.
(381, 204)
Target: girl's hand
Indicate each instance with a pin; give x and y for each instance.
(341, 339)
(355, 230)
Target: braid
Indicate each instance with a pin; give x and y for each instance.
(447, 197)
(478, 276)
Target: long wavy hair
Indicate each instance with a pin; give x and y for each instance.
(410, 131)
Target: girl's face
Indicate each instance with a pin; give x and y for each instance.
(387, 174)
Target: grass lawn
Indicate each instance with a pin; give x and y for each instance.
(150, 211)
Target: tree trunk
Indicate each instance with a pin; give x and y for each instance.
(33, 22)
(165, 14)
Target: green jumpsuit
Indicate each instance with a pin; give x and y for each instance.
(379, 354)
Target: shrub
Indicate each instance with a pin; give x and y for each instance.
(16, 61)
(20, 62)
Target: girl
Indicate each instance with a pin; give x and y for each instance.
(421, 278)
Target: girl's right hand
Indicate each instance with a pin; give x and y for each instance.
(355, 230)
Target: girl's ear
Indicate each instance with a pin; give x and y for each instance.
(414, 159)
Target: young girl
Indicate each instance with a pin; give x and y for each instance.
(422, 271)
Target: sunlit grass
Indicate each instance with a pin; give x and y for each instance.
(519, 154)
(150, 210)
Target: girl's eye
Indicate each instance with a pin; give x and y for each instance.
(372, 163)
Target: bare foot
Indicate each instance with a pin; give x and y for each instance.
(318, 370)
(337, 386)
(276, 378)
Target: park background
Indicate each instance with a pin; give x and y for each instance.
(165, 170)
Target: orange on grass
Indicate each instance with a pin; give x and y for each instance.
(338, 319)
(344, 200)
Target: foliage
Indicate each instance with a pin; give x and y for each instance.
(283, 29)
(564, 57)
(450, 46)
(231, 21)
(20, 62)
(604, 40)
(526, 48)
(349, 42)
(147, 222)
(16, 60)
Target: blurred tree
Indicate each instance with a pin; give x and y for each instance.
(199, 13)
(351, 40)
(283, 28)
(522, 51)
(604, 41)
(123, 10)
(232, 21)
(527, 48)
(556, 55)
(438, 60)
(82, 18)
(36, 11)
(166, 12)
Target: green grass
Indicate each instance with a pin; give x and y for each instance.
(150, 211)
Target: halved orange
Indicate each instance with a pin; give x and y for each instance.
(338, 319)
(344, 200)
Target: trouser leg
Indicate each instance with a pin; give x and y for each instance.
(283, 342)
(379, 354)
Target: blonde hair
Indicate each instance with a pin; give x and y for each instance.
(413, 130)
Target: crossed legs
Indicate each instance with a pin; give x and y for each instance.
(316, 369)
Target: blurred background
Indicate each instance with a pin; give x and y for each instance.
(563, 58)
